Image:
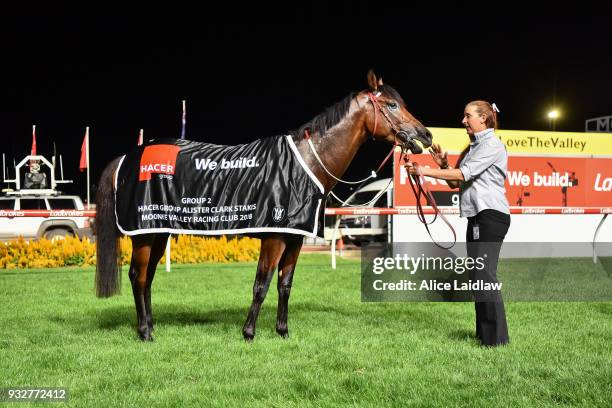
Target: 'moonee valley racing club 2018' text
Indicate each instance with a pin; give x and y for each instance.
(217, 213)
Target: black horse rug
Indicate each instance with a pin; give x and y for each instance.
(185, 187)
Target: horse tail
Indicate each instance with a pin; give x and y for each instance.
(108, 264)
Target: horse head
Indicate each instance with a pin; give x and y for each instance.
(388, 118)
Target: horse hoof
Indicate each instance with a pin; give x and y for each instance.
(248, 336)
(283, 333)
(145, 336)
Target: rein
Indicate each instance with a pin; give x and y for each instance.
(419, 188)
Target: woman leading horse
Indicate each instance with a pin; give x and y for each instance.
(327, 144)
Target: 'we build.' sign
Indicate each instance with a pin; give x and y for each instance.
(562, 169)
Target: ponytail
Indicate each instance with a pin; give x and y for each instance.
(490, 111)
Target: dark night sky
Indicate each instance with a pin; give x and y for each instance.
(246, 80)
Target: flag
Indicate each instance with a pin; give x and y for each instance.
(140, 137)
(184, 120)
(84, 164)
(33, 151)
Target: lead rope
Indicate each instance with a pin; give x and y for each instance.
(421, 189)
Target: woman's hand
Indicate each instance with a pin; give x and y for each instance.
(409, 166)
(452, 176)
(439, 155)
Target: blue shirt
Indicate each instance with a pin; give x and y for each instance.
(484, 169)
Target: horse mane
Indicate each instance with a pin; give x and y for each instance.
(326, 119)
(333, 114)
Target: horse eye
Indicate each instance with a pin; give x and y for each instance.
(392, 105)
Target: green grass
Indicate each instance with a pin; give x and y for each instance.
(55, 333)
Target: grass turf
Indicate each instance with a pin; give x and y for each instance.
(55, 333)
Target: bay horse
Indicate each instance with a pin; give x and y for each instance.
(336, 134)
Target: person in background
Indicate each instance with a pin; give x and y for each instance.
(480, 174)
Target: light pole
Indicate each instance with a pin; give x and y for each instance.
(553, 115)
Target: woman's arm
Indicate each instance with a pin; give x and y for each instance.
(454, 183)
(443, 174)
(453, 177)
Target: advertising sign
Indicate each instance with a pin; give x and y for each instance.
(569, 175)
(528, 142)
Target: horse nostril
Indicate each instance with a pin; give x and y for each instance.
(428, 134)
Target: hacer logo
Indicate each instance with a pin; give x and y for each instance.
(159, 159)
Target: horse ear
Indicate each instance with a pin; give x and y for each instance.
(372, 83)
(380, 83)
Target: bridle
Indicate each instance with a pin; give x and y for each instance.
(394, 128)
(417, 183)
(397, 131)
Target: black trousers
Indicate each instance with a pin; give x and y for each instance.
(485, 234)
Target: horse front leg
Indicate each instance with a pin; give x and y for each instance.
(141, 251)
(269, 256)
(286, 267)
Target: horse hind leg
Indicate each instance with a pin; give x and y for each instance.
(157, 251)
(141, 252)
(272, 248)
(286, 267)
